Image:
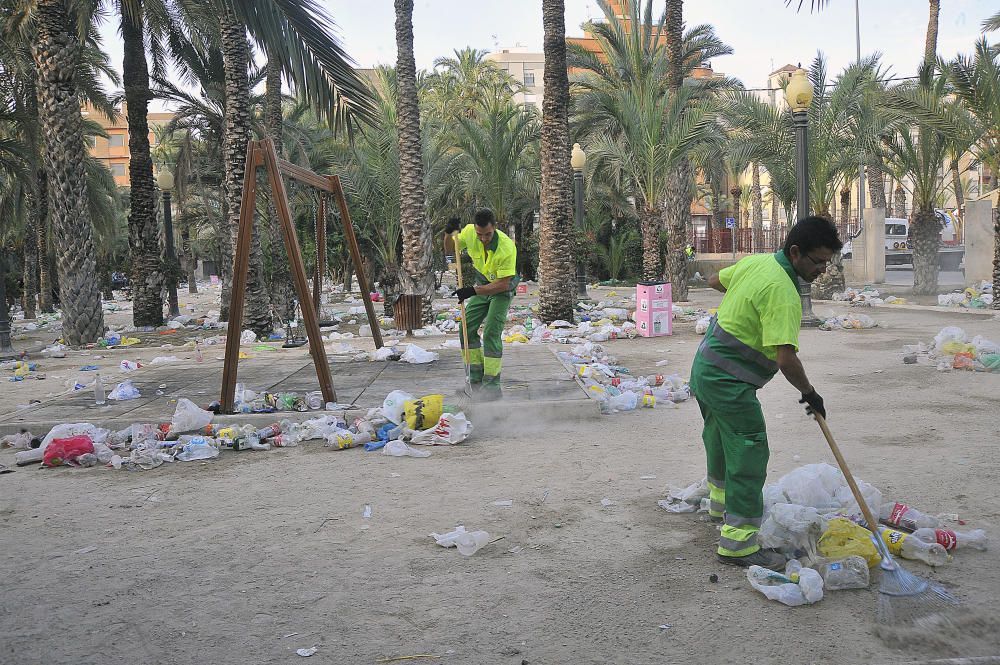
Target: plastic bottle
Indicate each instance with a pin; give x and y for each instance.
(346, 439)
(197, 353)
(849, 573)
(911, 519)
(951, 540)
(274, 429)
(908, 547)
(100, 398)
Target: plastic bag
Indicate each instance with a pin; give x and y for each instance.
(467, 542)
(188, 417)
(813, 485)
(451, 428)
(397, 448)
(686, 500)
(849, 573)
(198, 448)
(248, 337)
(805, 589)
(124, 391)
(949, 334)
(701, 327)
(418, 356)
(385, 353)
(421, 413)
(21, 440)
(65, 451)
(96, 434)
(393, 405)
(844, 538)
(791, 528)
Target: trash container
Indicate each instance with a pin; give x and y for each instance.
(407, 313)
(654, 309)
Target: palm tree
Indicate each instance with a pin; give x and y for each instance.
(556, 265)
(757, 205)
(635, 125)
(281, 290)
(920, 154)
(930, 42)
(62, 132)
(976, 82)
(144, 245)
(677, 203)
(496, 159)
(417, 276)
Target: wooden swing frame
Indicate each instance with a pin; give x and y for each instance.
(262, 154)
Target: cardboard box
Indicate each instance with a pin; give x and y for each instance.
(654, 309)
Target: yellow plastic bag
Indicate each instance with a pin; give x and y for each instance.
(844, 538)
(424, 412)
(952, 348)
(517, 337)
(129, 341)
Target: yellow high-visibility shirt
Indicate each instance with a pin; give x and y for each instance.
(761, 307)
(495, 262)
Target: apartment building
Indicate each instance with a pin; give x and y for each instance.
(113, 150)
(527, 69)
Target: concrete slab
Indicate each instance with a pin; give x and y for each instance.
(537, 387)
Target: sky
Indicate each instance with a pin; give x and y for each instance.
(764, 34)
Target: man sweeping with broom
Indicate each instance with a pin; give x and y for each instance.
(486, 302)
(755, 334)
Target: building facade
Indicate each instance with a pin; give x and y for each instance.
(113, 150)
(527, 69)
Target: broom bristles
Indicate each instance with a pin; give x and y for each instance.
(905, 598)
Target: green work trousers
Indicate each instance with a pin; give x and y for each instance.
(735, 440)
(485, 354)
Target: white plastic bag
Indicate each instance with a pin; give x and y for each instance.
(418, 356)
(385, 353)
(685, 500)
(188, 417)
(949, 334)
(96, 434)
(248, 337)
(701, 327)
(791, 528)
(813, 485)
(467, 542)
(124, 391)
(392, 405)
(451, 428)
(398, 448)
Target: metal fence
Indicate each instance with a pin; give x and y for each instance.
(710, 240)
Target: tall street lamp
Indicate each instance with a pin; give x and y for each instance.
(799, 94)
(578, 160)
(165, 180)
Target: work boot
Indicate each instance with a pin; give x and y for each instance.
(716, 519)
(771, 559)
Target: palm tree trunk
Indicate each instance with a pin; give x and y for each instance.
(677, 209)
(736, 193)
(42, 238)
(556, 265)
(956, 184)
(281, 289)
(30, 258)
(925, 235)
(930, 43)
(996, 252)
(758, 209)
(143, 232)
(845, 208)
(236, 57)
(876, 183)
(774, 210)
(187, 247)
(417, 274)
(899, 201)
(650, 223)
(56, 51)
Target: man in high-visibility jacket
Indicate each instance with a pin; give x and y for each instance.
(494, 258)
(754, 335)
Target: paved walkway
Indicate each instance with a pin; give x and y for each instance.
(534, 381)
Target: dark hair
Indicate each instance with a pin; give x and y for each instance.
(812, 233)
(484, 217)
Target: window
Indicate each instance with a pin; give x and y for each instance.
(895, 229)
(118, 170)
(529, 79)
(116, 140)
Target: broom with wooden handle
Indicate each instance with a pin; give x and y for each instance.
(465, 325)
(903, 597)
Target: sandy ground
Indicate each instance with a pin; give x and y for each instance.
(248, 558)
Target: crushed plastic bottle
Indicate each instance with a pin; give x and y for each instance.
(100, 399)
(911, 519)
(908, 547)
(849, 573)
(952, 540)
(798, 586)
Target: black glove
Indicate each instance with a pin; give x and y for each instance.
(813, 402)
(453, 225)
(464, 292)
